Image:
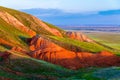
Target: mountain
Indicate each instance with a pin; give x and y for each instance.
(110, 12)
(58, 17)
(31, 49)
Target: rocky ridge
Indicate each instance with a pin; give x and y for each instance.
(44, 49)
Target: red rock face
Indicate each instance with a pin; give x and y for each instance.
(78, 36)
(44, 49)
(19, 49)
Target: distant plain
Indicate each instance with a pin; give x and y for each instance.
(110, 39)
(108, 36)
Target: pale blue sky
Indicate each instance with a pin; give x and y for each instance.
(65, 5)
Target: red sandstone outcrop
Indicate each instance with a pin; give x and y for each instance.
(16, 23)
(44, 49)
(19, 49)
(78, 36)
(51, 30)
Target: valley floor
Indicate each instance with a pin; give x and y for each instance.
(111, 39)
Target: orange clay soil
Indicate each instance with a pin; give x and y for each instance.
(19, 49)
(4, 42)
(46, 50)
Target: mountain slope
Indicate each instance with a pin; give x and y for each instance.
(15, 25)
(18, 26)
(23, 38)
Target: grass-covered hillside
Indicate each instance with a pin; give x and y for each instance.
(80, 46)
(15, 31)
(22, 67)
(13, 36)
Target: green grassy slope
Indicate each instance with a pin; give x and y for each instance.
(84, 46)
(14, 36)
(28, 21)
(12, 76)
(19, 62)
(11, 34)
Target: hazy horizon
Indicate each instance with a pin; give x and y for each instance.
(77, 12)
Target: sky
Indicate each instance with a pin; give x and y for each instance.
(72, 6)
(70, 12)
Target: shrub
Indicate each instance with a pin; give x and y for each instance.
(1, 59)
